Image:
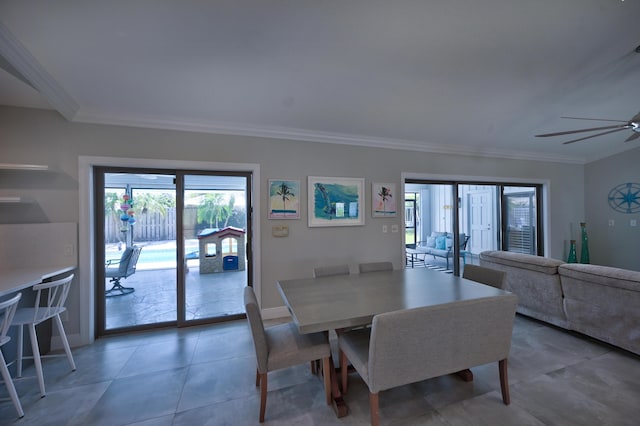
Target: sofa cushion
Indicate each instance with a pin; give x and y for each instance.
(534, 280)
(603, 275)
(602, 302)
(525, 261)
(441, 243)
(431, 242)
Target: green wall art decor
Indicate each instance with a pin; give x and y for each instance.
(335, 201)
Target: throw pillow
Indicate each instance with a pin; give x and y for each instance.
(441, 243)
(449, 243)
(431, 242)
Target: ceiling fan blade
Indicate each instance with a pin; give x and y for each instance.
(632, 137)
(592, 129)
(635, 118)
(596, 119)
(593, 136)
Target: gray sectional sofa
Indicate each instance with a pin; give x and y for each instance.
(599, 301)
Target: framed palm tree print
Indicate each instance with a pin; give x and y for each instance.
(383, 200)
(284, 199)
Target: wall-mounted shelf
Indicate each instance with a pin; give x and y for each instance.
(15, 200)
(24, 167)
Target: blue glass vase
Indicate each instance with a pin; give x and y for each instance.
(584, 248)
(573, 257)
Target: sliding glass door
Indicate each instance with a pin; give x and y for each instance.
(174, 250)
(488, 216)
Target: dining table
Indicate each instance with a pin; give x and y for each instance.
(344, 301)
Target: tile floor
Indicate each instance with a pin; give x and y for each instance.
(205, 376)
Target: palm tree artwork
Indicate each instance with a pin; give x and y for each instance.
(384, 204)
(283, 199)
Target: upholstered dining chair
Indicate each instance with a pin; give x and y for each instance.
(7, 311)
(329, 271)
(375, 267)
(281, 346)
(483, 275)
(398, 349)
(53, 304)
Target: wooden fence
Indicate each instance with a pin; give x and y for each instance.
(148, 227)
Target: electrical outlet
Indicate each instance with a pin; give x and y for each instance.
(394, 228)
(633, 222)
(68, 250)
(612, 222)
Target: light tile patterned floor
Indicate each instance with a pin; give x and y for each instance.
(205, 376)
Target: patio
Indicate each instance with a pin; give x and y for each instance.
(154, 299)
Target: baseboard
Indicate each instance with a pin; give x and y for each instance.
(75, 341)
(274, 313)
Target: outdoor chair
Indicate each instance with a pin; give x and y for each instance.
(7, 312)
(281, 346)
(118, 270)
(53, 296)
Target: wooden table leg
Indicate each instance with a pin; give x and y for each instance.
(339, 405)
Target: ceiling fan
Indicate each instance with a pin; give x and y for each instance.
(633, 124)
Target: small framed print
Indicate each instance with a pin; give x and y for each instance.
(383, 200)
(284, 199)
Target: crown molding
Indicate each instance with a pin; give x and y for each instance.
(238, 129)
(30, 71)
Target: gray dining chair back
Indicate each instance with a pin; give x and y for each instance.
(7, 312)
(281, 346)
(375, 267)
(399, 349)
(328, 271)
(50, 303)
(483, 275)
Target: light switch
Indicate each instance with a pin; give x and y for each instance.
(394, 228)
(612, 222)
(385, 229)
(633, 222)
(280, 231)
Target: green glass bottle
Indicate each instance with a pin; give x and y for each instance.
(573, 258)
(584, 249)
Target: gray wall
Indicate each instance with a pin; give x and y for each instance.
(617, 245)
(44, 137)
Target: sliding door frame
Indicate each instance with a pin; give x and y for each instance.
(86, 225)
(542, 217)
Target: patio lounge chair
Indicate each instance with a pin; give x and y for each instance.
(117, 270)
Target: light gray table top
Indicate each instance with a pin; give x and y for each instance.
(326, 303)
(13, 280)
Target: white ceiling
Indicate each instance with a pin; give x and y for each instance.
(458, 76)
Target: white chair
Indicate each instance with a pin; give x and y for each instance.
(7, 311)
(282, 346)
(375, 267)
(56, 295)
(330, 271)
(488, 276)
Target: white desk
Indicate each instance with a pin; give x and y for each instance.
(17, 279)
